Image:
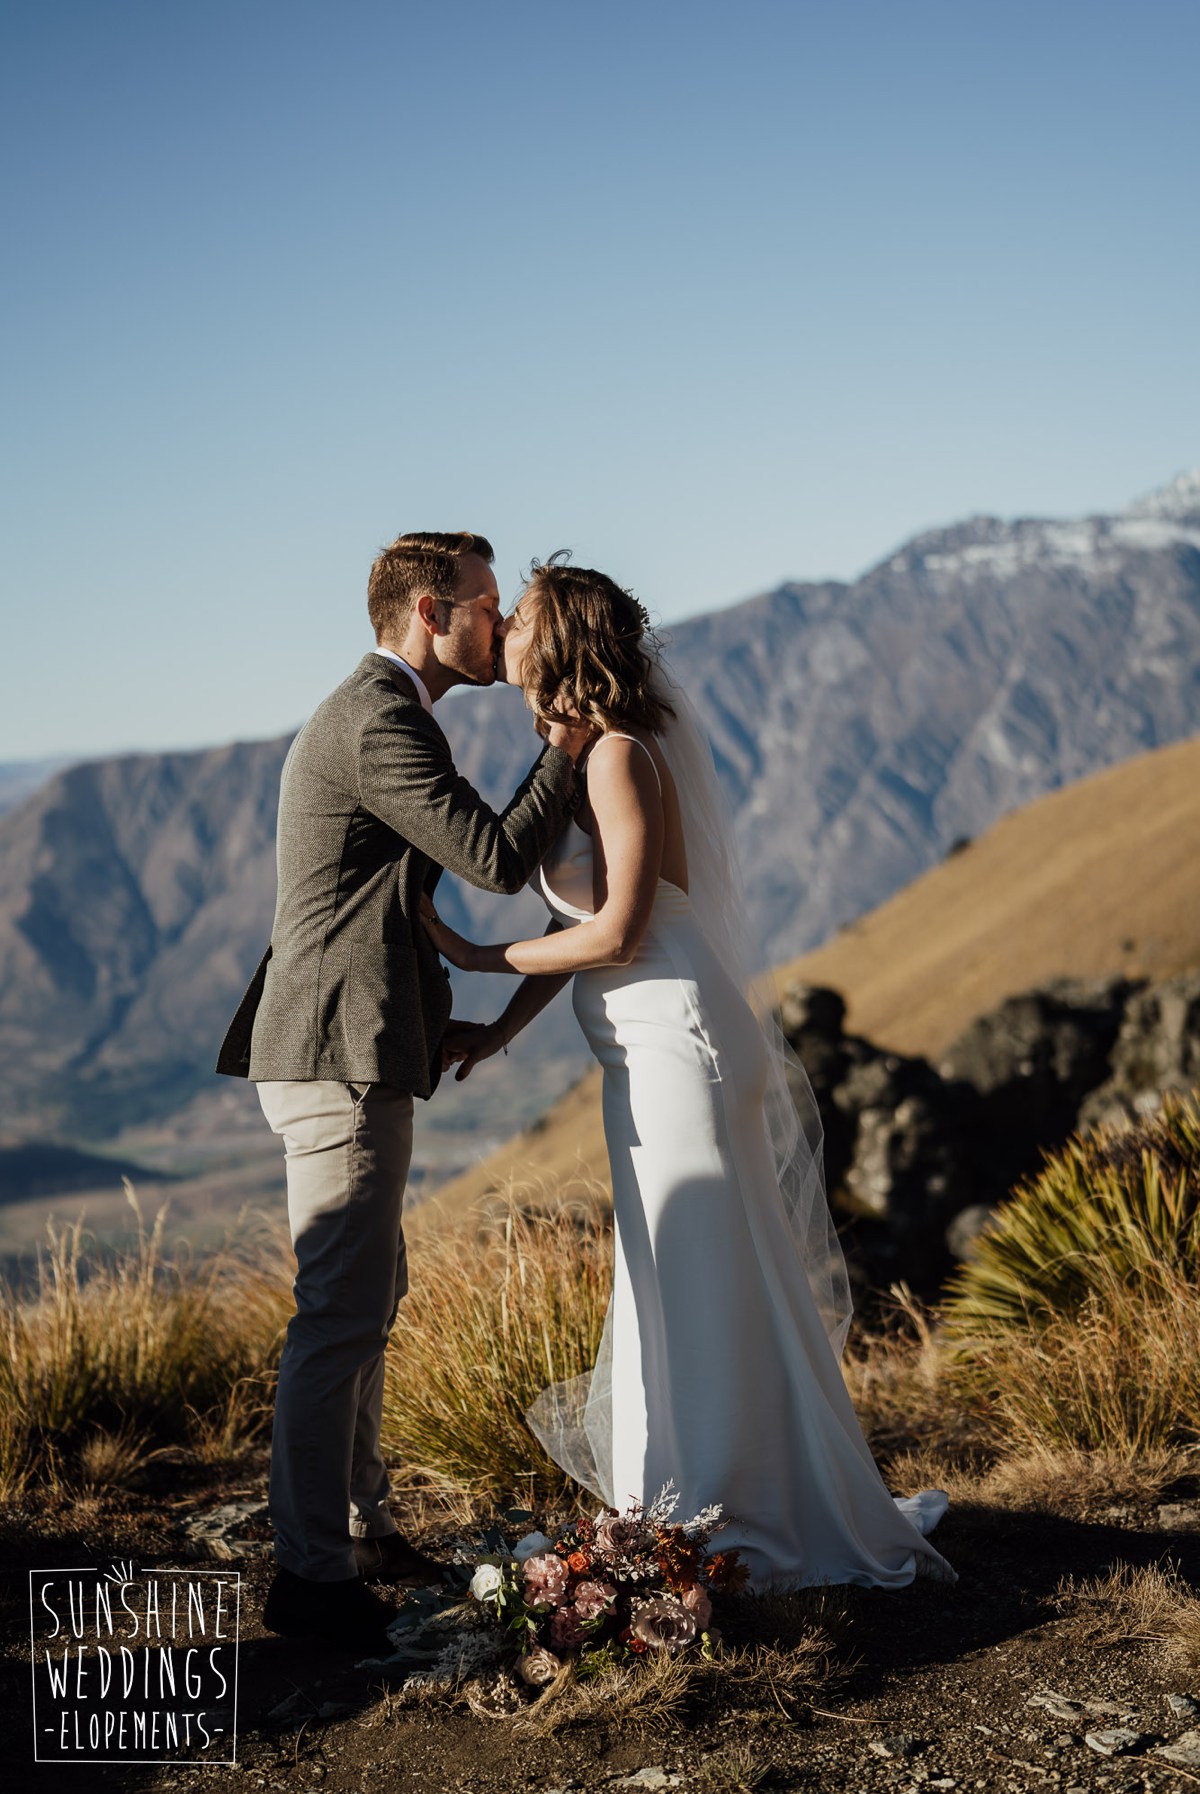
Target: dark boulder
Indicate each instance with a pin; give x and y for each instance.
(1031, 1062)
(1157, 1050)
(917, 1156)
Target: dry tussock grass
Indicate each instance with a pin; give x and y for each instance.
(112, 1361)
(1120, 1374)
(489, 1322)
(896, 1372)
(732, 1771)
(115, 1357)
(1044, 1479)
(661, 1691)
(1151, 1604)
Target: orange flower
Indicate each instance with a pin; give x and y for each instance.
(678, 1557)
(726, 1572)
(579, 1562)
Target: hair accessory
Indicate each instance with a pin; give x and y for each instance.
(638, 606)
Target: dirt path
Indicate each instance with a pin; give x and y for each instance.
(933, 1688)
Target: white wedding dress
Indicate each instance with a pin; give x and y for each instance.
(717, 1373)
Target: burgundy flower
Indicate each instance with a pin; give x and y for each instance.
(567, 1630)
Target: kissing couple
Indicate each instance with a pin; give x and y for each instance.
(719, 1366)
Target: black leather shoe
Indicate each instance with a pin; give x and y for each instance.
(339, 1613)
(390, 1558)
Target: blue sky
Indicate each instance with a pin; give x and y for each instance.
(714, 295)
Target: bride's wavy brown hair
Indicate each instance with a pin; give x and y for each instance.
(589, 645)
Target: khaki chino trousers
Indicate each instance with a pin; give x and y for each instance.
(348, 1149)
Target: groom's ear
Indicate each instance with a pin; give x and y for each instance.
(426, 611)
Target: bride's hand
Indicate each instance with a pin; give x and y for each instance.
(467, 1043)
(454, 947)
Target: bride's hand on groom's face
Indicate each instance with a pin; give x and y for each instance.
(465, 1044)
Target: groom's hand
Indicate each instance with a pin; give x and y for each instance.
(564, 727)
(465, 1044)
(571, 734)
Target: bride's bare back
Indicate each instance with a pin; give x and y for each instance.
(636, 745)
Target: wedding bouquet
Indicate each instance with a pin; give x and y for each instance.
(610, 1589)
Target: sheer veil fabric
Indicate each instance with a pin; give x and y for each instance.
(574, 1419)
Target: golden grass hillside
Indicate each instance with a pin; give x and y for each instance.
(1095, 879)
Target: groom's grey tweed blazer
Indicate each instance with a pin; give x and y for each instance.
(371, 810)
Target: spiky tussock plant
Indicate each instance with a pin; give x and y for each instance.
(1119, 1205)
(1077, 1324)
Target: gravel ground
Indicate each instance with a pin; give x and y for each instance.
(999, 1683)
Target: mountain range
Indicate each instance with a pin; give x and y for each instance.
(861, 729)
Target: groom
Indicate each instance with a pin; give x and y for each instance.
(342, 1026)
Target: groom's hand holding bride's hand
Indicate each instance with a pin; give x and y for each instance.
(465, 1044)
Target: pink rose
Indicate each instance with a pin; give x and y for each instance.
(664, 1624)
(537, 1667)
(594, 1598)
(567, 1630)
(545, 1580)
(695, 1599)
(616, 1534)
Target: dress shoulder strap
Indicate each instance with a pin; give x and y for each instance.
(619, 735)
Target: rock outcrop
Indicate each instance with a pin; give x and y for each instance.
(916, 1156)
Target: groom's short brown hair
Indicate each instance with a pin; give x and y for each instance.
(422, 561)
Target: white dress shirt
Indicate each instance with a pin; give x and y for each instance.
(416, 678)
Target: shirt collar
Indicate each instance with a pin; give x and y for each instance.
(422, 693)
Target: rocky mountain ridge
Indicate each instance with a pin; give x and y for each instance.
(860, 730)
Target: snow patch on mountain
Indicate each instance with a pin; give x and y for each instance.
(988, 546)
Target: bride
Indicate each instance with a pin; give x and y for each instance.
(718, 1370)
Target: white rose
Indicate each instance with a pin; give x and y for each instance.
(530, 1545)
(485, 1583)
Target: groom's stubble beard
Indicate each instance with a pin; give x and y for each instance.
(470, 663)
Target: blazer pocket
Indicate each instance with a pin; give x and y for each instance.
(383, 994)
